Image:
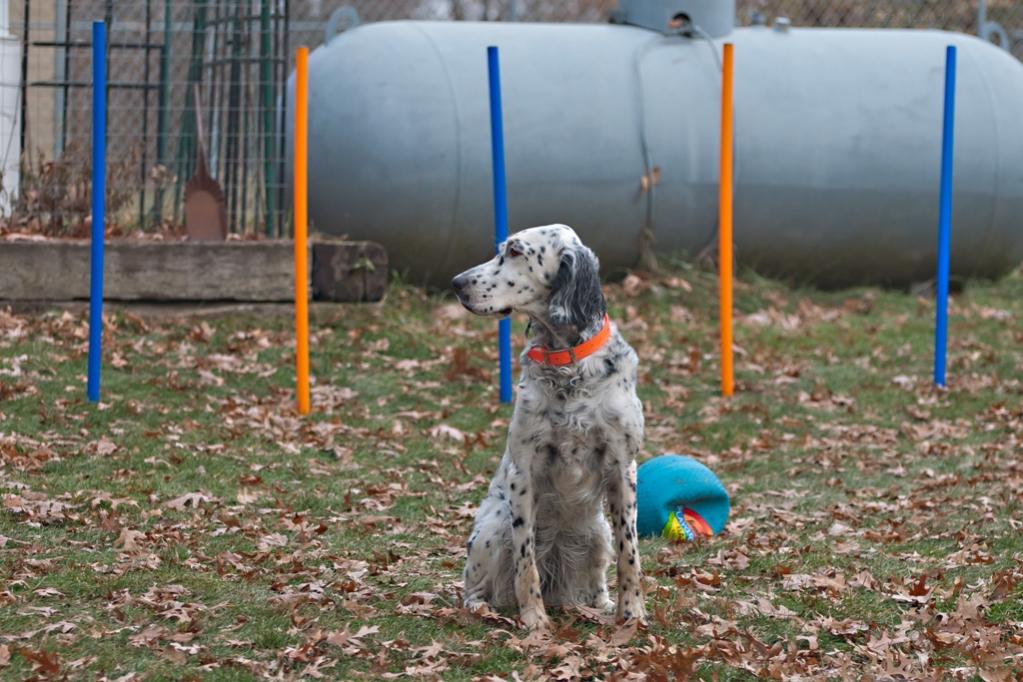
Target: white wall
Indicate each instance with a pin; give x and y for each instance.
(10, 109)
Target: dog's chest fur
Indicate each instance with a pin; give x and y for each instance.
(569, 475)
(567, 415)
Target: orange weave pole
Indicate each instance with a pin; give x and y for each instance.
(725, 224)
(301, 179)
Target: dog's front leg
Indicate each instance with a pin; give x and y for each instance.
(621, 497)
(527, 577)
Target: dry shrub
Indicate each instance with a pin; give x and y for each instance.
(55, 197)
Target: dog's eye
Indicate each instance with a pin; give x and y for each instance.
(512, 251)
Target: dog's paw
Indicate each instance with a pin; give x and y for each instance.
(607, 606)
(535, 619)
(477, 605)
(631, 612)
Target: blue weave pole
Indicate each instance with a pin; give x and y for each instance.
(99, 168)
(500, 209)
(945, 219)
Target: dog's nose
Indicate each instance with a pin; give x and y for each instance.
(458, 283)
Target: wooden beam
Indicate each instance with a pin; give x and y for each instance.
(58, 270)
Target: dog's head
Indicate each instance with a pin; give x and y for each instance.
(545, 272)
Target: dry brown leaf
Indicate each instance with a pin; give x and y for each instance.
(193, 500)
(128, 540)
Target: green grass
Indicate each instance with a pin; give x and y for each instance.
(851, 478)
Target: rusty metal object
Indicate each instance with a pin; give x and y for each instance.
(205, 212)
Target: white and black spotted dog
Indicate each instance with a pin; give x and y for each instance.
(540, 535)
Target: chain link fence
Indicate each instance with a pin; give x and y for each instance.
(202, 81)
(188, 81)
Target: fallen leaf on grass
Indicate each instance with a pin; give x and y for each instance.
(148, 636)
(442, 431)
(624, 634)
(271, 540)
(919, 588)
(189, 500)
(43, 661)
(38, 507)
(348, 642)
(845, 627)
(128, 540)
(105, 446)
(461, 366)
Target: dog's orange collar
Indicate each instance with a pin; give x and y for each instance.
(568, 356)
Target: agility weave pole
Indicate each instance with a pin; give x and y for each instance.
(500, 210)
(725, 222)
(99, 176)
(945, 219)
(301, 182)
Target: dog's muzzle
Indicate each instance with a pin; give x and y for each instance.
(458, 284)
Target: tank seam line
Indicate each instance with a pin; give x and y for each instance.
(458, 146)
(995, 196)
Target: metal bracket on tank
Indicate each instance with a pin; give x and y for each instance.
(347, 14)
(994, 29)
(988, 29)
(715, 18)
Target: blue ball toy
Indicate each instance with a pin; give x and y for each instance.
(679, 498)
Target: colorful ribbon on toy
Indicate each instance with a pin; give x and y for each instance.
(685, 527)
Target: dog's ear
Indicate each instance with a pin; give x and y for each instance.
(576, 297)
